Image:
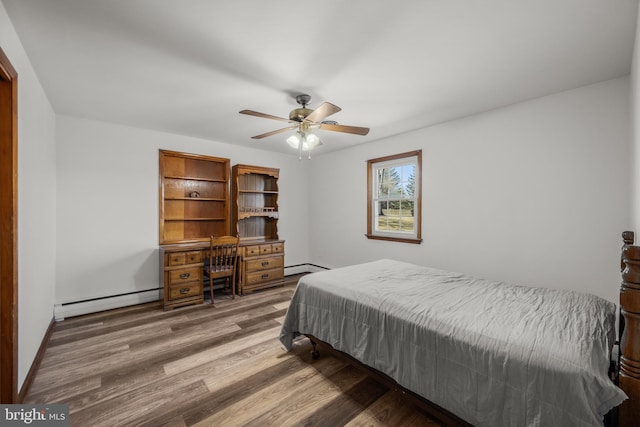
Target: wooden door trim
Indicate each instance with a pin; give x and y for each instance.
(8, 231)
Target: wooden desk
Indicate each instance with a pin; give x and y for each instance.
(181, 279)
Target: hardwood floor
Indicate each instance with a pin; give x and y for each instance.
(207, 366)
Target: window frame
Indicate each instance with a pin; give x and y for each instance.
(372, 166)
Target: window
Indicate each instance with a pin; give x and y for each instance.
(394, 200)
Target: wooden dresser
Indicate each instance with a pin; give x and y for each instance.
(262, 265)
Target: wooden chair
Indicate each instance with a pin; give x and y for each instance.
(223, 259)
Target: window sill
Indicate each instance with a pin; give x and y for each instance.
(394, 239)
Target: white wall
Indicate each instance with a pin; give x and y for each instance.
(635, 135)
(535, 193)
(36, 202)
(108, 204)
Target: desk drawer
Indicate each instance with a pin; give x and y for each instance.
(182, 258)
(264, 276)
(185, 275)
(194, 257)
(185, 290)
(177, 258)
(266, 263)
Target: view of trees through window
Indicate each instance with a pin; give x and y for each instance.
(395, 198)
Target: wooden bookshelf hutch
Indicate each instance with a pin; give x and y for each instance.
(194, 197)
(194, 205)
(254, 218)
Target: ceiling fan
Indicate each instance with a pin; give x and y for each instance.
(305, 120)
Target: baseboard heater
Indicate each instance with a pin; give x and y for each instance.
(94, 305)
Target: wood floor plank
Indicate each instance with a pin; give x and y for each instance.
(206, 355)
(72, 372)
(123, 382)
(204, 320)
(282, 305)
(125, 410)
(347, 405)
(281, 386)
(64, 392)
(387, 410)
(109, 330)
(235, 379)
(301, 405)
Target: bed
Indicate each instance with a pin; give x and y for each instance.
(490, 353)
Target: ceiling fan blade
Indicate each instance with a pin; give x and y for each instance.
(324, 110)
(346, 129)
(263, 115)
(273, 132)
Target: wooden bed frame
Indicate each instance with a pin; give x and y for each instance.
(626, 371)
(629, 364)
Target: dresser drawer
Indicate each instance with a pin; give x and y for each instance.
(185, 290)
(264, 276)
(265, 263)
(253, 250)
(185, 275)
(265, 249)
(277, 248)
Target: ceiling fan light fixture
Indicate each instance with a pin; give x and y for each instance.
(309, 140)
(294, 140)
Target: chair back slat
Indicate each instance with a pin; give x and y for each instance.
(223, 259)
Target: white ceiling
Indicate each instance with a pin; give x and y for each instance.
(189, 66)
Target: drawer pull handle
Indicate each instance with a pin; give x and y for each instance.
(184, 291)
(185, 276)
(265, 263)
(265, 276)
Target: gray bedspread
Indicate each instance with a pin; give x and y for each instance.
(492, 353)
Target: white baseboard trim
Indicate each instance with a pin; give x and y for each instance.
(61, 311)
(303, 268)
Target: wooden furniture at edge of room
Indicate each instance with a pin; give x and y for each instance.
(254, 219)
(261, 265)
(222, 262)
(194, 205)
(629, 366)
